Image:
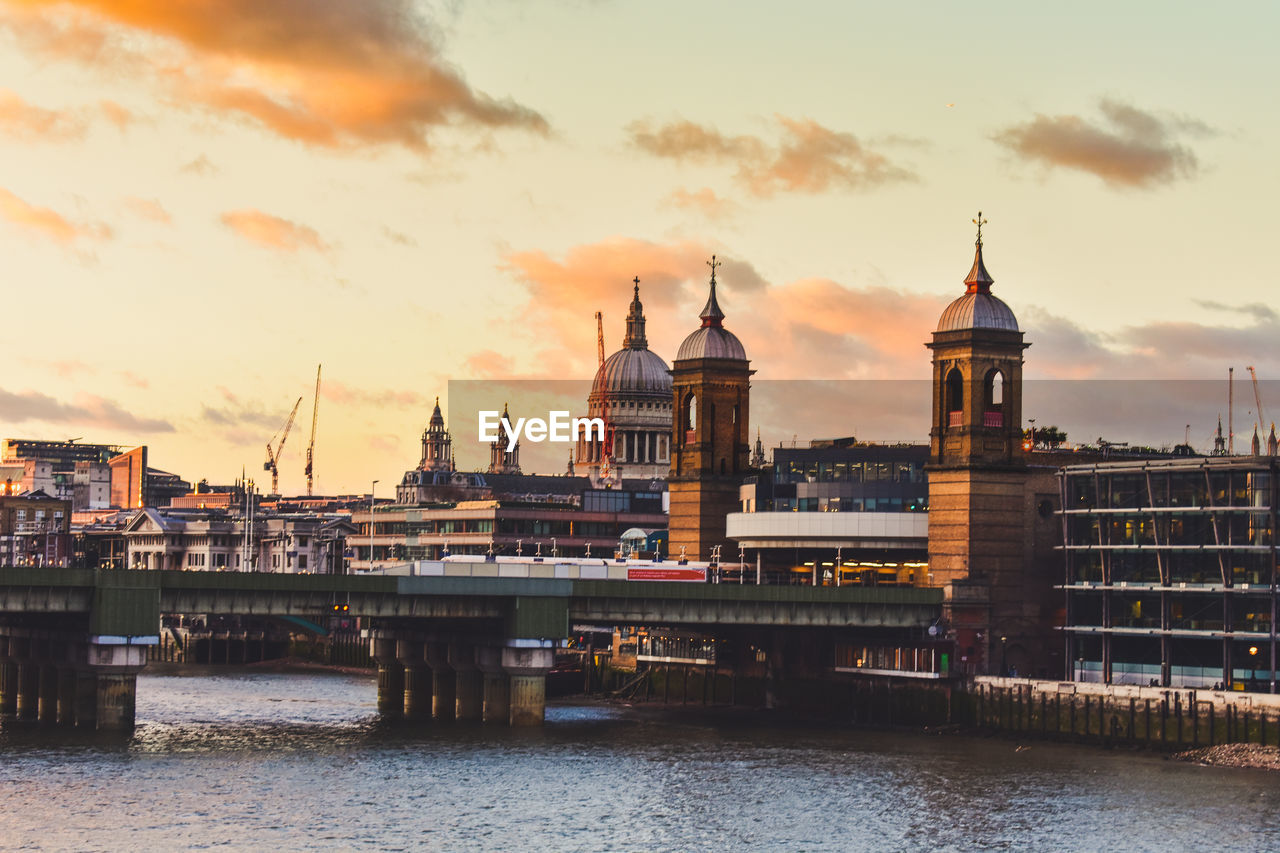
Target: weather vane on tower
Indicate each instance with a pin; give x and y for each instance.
(979, 222)
(713, 263)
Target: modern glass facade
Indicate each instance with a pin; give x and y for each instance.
(1171, 572)
(859, 478)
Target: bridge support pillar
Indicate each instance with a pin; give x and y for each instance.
(417, 680)
(528, 668)
(86, 699)
(27, 695)
(496, 707)
(47, 704)
(382, 649)
(66, 694)
(468, 682)
(8, 679)
(116, 667)
(774, 668)
(444, 687)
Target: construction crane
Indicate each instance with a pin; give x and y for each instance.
(273, 456)
(1257, 399)
(600, 337)
(311, 447)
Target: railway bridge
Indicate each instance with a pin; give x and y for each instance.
(464, 642)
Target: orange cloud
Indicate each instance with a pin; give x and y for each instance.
(272, 232)
(488, 364)
(565, 293)
(27, 122)
(202, 166)
(809, 158)
(819, 328)
(87, 409)
(46, 222)
(148, 208)
(1130, 149)
(116, 114)
(703, 201)
(345, 395)
(324, 72)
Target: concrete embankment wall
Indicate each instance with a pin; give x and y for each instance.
(1117, 714)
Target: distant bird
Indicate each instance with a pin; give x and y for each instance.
(952, 104)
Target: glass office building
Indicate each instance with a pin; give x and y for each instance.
(1171, 572)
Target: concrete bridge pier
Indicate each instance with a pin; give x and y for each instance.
(417, 679)
(775, 667)
(85, 698)
(528, 668)
(382, 648)
(468, 681)
(66, 701)
(55, 659)
(496, 706)
(115, 666)
(444, 685)
(8, 679)
(27, 671)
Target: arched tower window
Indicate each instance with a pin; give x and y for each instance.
(691, 419)
(954, 397)
(993, 394)
(995, 389)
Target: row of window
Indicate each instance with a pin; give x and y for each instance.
(844, 504)
(1227, 528)
(1189, 567)
(797, 471)
(1191, 488)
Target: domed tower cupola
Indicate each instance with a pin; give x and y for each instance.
(712, 339)
(977, 375)
(631, 393)
(711, 384)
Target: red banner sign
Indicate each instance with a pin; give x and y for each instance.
(666, 574)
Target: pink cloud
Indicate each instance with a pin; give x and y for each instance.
(273, 232)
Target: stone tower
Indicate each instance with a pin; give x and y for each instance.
(711, 387)
(504, 455)
(978, 478)
(437, 445)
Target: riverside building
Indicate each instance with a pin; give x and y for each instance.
(1171, 572)
(837, 512)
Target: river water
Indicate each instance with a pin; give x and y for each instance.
(298, 761)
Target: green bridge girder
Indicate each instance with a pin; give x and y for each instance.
(129, 603)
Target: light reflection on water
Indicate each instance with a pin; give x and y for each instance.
(254, 760)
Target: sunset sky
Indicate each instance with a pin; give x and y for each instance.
(201, 201)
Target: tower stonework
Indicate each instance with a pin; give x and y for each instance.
(437, 444)
(504, 455)
(979, 483)
(711, 389)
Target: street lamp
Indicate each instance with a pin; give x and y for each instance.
(1253, 667)
(1004, 657)
(372, 489)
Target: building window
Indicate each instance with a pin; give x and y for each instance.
(954, 393)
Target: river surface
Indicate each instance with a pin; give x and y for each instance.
(269, 761)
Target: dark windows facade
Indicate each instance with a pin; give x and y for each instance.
(1170, 572)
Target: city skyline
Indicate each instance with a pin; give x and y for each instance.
(205, 202)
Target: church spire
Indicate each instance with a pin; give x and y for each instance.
(635, 337)
(978, 280)
(711, 314)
